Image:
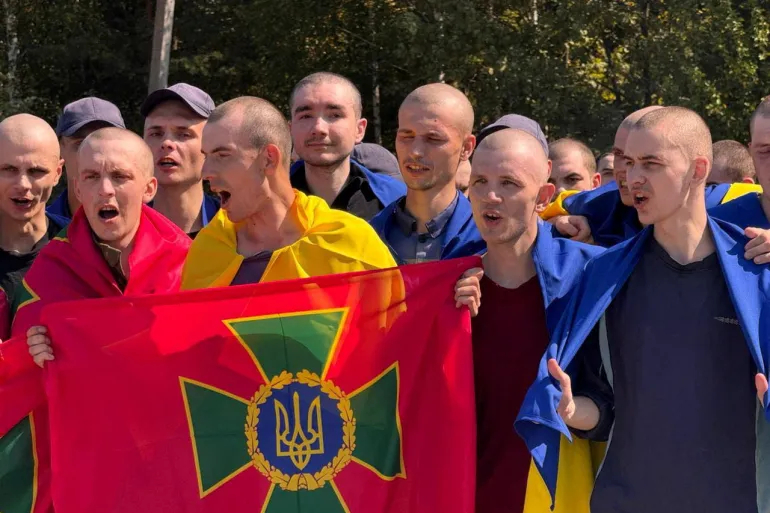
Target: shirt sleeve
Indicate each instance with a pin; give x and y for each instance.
(591, 381)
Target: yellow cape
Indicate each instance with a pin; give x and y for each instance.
(333, 242)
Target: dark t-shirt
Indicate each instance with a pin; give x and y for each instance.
(685, 403)
(509, 337)
(356, 196)
(13, 266)
(252, 268)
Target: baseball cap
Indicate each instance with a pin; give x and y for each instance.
(516, 122)
(79, 113)
(376, 158)
(198, 100)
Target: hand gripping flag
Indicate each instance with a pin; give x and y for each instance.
(347, 393)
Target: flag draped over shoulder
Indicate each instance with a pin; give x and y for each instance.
(25, 472)
(332, 242)
(70, 267)
(301, 396)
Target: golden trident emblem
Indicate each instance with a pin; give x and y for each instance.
(303, 443)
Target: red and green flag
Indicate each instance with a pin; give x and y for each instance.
(24, 450)
(348, 393)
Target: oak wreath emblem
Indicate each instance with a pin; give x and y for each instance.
(299, 430)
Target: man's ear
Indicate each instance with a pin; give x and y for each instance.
(361, 129)
(59, 170)
(596, 181)
(469, 144)
(271, 158)
(702, 168)
(149, 190)
(544, 196)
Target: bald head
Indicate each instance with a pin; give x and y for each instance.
(509, 144)
(446, 96)
(125, 142)
(31, 133)
(258, 123)
(682, 128)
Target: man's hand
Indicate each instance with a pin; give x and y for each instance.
(761, 383)
(574, 227)
(39, 345)
(577, 412)
(758, 248)
(468, 290)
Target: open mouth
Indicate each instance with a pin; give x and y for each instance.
(224, 197)
(108, 212)
(640, 200)
(22, 202)
(167, 163)
(491, 217)
(623, 184)
(416, 168)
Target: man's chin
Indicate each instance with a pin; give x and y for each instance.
(322, 162)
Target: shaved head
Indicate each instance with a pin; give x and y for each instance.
(326, 77)
(683, 128)
(509, 186)
(28, 131)
(260, 123)
(444, 95)
(125, 141)
(517, 142)
(635, 116)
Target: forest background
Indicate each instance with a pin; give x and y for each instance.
(577, 67)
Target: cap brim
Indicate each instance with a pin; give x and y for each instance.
(161, 95)
(70, 131)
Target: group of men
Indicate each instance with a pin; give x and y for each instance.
(655, 343)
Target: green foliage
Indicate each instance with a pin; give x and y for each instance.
(577, 66)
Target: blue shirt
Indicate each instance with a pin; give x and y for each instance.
(413, 247)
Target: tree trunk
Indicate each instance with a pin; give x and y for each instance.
(376, 119)
(12, 50)
(161, 44)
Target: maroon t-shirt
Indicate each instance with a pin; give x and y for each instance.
(509, 339)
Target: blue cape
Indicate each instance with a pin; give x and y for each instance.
(386, 188)
(538, 421)
(744, 211)
(461, 237)
(610, 220)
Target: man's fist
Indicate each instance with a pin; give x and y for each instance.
(39, 345)
(468, 290)
(758, 248)
(574, 227)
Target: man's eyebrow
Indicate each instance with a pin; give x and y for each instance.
(302, 108)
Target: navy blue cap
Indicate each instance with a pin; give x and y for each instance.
(516, 122)
(376, 158)
(199, 101)
(78, 114)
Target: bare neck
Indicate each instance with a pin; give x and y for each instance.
(327, 182)
(426, 205)
(271, 228)
(510, 265)
(72, 200)
(21, 236)
(181, 204)
(685, 235)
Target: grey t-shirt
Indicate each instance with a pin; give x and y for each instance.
(684, 397)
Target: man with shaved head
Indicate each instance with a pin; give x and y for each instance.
(266, 230)
(527, 279)
(326, 125)
(606, 215)
(679, 313)
(574, 166)
(605, 166)
(115, 245)
(732, 164)
(433, 221)
(30, 167)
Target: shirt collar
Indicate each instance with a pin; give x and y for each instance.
(408, 224)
